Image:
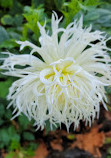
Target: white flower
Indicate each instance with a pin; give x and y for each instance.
(64, 87)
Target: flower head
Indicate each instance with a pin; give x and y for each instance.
(65, 87)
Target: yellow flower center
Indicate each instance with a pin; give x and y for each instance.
(59, 81)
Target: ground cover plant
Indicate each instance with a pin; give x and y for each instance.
(18, 137)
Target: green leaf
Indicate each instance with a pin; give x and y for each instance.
(25, 31)
(18, 19)
(70, 9)
(1, 122)
(14, 145)
(13, 134)
(4, 138)
(91, 16)
(4, 86)
(28, 136)
(7, 20)
(59, 3)
(36, 3)
(100, 18)
(2, 110)
(33, 16)
(8, 114)
(91, 2)
(33, 146)
(10, 155)
(9, 44)
(23, 122)
(108, 89)
(29, 153)
(3, 34)
(108, 140)
(109, 152)
(17, 8)
(5, 114)
(13, 34)
(6, 4)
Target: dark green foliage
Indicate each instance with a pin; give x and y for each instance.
(4, 86)
(3, 34)
(28, 136)
(54, 5)
(33, 16)
(17, 151)
(12, 21)
(36, 3)
(8, 135)
(23, 122)
(108, 89)
(100, 18)
(9, 44)
(72, 7)
(18, 19)
(6, 4)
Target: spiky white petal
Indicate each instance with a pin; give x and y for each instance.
(65, 88)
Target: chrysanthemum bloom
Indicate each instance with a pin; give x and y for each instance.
(65, 87)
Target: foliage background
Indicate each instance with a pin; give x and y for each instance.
(18, 21)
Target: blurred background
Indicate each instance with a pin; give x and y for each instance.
(18, 138)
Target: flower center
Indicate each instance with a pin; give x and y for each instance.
(60, 72)
(60, 80)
